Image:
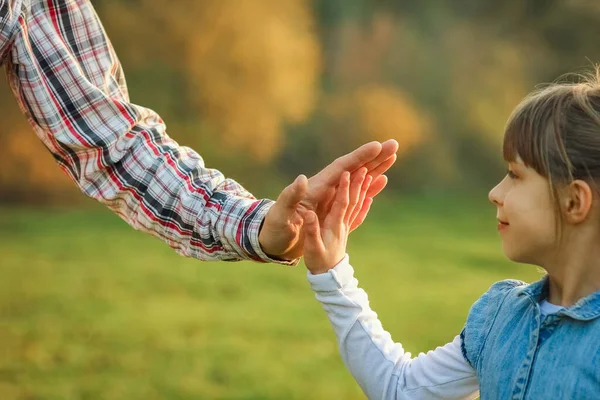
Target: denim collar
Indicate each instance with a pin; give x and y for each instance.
(585, 309)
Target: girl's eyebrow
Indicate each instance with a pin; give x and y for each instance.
(516, 166)
(517, 163)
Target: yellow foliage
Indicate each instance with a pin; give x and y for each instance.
(489, 80)
(377, 112)
(256, 70)
(360, 51)
(26, 165)
(253, 66)
(387, 113)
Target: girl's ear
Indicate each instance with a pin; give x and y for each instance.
(577, 201)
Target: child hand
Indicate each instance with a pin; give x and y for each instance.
(325, 241)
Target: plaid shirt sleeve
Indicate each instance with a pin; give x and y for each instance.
(69, 83)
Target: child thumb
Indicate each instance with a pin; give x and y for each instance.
(312, 231)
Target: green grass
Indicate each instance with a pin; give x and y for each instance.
(91, 309)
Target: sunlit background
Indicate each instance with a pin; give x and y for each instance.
(265, 90)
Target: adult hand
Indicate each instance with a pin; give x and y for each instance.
(325, 243)
(281, 235)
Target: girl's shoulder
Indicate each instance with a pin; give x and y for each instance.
(504, 286)
(483, 313)
(493, 298)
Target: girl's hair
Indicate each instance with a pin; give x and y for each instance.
(556, 131)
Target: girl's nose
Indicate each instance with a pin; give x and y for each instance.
(495, 195)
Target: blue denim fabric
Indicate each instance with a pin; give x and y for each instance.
(517, 355)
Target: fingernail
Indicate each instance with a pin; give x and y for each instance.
(310, 218)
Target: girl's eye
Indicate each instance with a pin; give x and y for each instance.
(511, 174)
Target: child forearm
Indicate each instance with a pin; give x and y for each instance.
(381, 367)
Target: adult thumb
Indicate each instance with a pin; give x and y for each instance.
(294, 193)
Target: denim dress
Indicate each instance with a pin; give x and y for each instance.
(519, 355)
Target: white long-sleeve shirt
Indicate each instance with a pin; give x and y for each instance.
(380, 366)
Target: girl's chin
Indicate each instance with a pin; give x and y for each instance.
(513, 254)
(519, 257)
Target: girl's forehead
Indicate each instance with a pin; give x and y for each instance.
(517, 161)
(520, 166)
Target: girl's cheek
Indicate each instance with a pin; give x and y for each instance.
(512, 201)
(508, 197)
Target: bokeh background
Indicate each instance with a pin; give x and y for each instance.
(265, 90)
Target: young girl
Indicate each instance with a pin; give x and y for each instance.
(520, 341)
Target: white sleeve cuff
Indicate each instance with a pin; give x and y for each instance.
(334, 279)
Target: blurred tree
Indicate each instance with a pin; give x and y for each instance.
(375, 112)
(292, 84)
(28, 172)
(251, 68)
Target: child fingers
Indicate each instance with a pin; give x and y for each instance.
(361, 200)
(313, 243)
(360, 217)
(336, 215)
(325, 205)
(377, 185)
(356, 185)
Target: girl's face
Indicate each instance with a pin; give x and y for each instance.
(525, 213)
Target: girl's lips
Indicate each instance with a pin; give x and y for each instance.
(502, 225)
